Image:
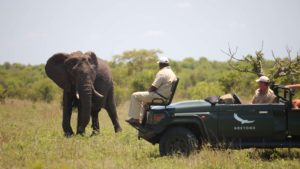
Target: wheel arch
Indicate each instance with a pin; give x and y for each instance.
(194, 124)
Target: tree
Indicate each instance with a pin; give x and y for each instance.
(137, 60)
(248, 63)
(287, 66)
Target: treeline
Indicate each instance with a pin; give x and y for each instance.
(26, 82)
(134, 71)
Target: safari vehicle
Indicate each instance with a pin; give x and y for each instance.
(183, 127)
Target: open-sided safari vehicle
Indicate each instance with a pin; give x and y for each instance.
(183, 127)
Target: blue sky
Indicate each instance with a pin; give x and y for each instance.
(33, 30)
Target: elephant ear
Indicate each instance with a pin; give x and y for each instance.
(55, 70)
(92, 58)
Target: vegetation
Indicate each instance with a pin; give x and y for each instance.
(135, 70)
(26, 82)
(31, 137)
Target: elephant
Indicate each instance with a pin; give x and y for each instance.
(87, 83)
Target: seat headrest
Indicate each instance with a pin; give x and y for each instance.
(213, 100)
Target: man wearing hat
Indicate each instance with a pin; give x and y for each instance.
(160, 88)
(264, 94)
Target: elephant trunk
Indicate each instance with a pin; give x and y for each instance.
(85, 92)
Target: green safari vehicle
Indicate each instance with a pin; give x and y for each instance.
(182, 127)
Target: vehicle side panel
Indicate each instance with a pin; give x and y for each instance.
(294, 122)
(251, 121)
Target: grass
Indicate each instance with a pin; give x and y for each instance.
(31, 137)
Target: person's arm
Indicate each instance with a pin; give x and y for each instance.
(254, 98)
(152, 89)
(293, 86)
(253, 101)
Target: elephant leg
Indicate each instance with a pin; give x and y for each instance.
(95, 122)
(67, 112)
(112, 112)
(78, 115)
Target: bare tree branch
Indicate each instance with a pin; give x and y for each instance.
(255, 62)
(262, 46)
(276, 59)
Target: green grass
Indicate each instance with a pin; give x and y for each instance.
(31, 137)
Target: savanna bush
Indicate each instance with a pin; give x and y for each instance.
(203, 89)
(43, 90)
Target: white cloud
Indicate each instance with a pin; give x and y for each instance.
(183, 5)
(153, 33)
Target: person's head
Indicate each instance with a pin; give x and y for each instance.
(163, 62)
(263, 83)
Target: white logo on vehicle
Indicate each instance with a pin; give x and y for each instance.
(242, 121)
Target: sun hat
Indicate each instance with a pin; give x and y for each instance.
(264, 79)
(163, 59)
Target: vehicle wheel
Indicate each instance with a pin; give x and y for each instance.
(178, 140)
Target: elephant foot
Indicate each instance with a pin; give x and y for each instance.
(95, 132)
(80, 131)
(118, 129)
(68, 134)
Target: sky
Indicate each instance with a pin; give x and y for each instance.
(31, 31)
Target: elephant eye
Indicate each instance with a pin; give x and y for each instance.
(71, 63)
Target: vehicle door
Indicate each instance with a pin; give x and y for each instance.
(294, 122)
(257, 121)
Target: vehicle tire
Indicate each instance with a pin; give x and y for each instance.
(178, 141)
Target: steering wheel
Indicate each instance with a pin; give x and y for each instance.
(237, 100)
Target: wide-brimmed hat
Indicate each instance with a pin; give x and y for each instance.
(264, 79)
(163, 59)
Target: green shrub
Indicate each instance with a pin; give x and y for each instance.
(203, 89)
(43, 90)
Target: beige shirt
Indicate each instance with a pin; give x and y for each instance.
(267, 97)
(163, 81)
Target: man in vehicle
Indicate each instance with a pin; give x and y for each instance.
(160, 88)
(264, 94)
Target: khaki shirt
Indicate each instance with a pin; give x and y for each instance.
(163, 81)
(267, 97)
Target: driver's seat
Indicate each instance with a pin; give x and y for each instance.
(166, 101)
(160, 101)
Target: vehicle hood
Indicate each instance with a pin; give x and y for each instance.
(185, 106)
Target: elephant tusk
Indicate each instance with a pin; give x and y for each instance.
(98, 94)
(77, 95)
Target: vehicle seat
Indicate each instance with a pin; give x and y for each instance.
(231, 98)
(165, 102)
(160, 101)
